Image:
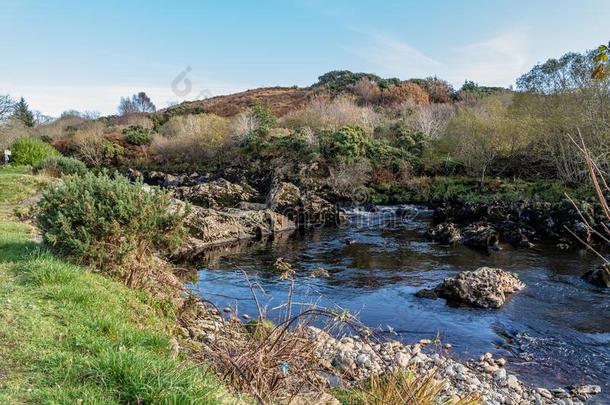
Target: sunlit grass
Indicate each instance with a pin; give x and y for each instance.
(71, 336)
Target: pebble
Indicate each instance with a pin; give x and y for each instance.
(500, 374)
(226, 309)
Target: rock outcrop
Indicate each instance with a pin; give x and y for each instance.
(521, 222)
(483, 288)
(217, 194)
(208, 227)
(480, 235)
(307, 209)
(446, 233)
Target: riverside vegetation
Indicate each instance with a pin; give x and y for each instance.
(96, 305)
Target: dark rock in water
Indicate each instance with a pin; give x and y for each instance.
(480, 235)
(484, 288)
(446, 233)
(599, 276)
(517, 235)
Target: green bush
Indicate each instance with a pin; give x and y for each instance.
(107, 221)
(264, 116)
(29, 151)
(60, 165)
(137, 135)
(347, 144)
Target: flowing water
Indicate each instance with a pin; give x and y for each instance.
(553, 333)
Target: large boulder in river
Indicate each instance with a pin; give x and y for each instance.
(480, 235)
(216, 194)
(599, 276)
(446, 233)
(317, 211)
(307, 209)
(484, 288)
(285, 198)
(208, 227)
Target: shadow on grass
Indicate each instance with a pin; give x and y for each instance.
(19, 251)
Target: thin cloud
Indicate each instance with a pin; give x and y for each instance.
(394, 56)
(495, 61)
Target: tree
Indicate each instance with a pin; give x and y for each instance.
(7, 106)
(367, 91)
(21, 112)
(138, 103)
(601, 59)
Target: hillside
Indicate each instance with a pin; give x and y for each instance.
(280, 100)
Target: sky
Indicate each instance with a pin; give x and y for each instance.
(86, 55)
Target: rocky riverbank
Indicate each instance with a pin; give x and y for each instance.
(347, 360)
(520, 223)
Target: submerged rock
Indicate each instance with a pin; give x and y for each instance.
(484, 288)
(446, 233)
(517, 235)
(599, 276)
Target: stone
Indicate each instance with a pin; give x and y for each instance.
(284, 198)
(499, 375)
(586, 389)
(209, 227)
(599, 276)
(446, 233)
(513, 383)
(544, 393)
(485, 288)
(402, 359)
(217, 194)
(480, 235)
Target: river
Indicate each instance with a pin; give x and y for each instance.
(553, 333)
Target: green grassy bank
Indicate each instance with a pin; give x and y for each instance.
(71, 336)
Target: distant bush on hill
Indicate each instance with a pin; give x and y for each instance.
(29, 151)
(191, 138)
(137, 135)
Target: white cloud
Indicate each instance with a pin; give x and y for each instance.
(495, 61)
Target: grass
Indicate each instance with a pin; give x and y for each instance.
(72, 336)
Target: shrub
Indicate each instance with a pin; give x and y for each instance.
(323, 114)
(108, 222)
(404, 92)
(346, 144)
(137, 135)
(29, 151)
(191, 138)
(60, 165)
(263, 116)
(98, 152)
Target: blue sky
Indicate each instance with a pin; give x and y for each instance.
(87, 54)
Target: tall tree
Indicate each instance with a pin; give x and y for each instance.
(22, 112)
(6, 107)
(138, 103)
